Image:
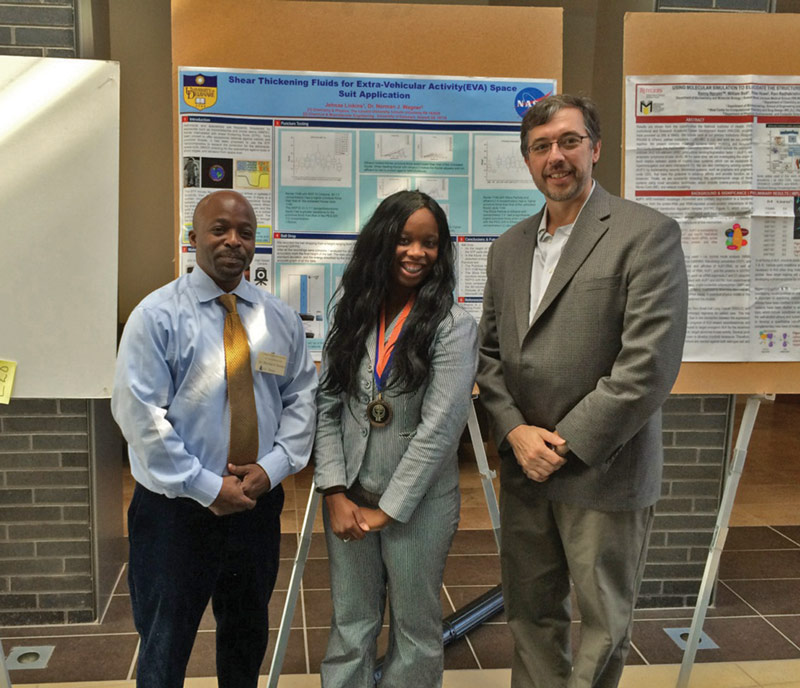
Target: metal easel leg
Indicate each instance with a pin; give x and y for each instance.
(5, 680)
(294, 588)
(719, 536)
(486, 474)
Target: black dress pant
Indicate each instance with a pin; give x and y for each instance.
(182, 555)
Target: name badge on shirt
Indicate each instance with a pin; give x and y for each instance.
(275, 364)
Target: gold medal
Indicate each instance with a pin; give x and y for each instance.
(379, 412)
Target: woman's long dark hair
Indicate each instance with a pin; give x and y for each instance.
(365, 286)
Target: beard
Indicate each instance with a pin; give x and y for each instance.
(563, 193)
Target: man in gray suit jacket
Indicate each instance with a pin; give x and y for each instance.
(584, 317)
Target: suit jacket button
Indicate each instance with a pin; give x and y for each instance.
(364, 431)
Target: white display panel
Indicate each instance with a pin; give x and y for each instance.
(59, 147)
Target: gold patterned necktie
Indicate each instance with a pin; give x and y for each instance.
(244, 424)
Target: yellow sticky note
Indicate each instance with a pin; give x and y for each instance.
(7, 371)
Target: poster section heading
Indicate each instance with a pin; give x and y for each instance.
(315, 164)
(721, 154)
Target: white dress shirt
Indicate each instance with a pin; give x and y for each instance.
(546, 256)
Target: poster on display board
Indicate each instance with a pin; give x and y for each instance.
(315, 153)
(721, 154)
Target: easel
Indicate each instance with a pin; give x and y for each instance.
(308, 524)
(719, 536)
(717, 44)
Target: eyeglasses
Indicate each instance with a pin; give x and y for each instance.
(567, 142)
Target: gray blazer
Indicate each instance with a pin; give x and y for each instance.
(602, 352)
(415, 454)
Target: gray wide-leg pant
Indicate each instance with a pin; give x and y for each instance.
(405, 561)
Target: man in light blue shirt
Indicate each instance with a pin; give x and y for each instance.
(201, 527)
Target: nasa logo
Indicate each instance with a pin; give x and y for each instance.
(525, 98)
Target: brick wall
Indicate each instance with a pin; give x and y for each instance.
(45, 547)
(695, 451)
(43, 28)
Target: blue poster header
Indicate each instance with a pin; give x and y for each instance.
(358, 96)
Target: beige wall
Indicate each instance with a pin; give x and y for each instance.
(140, 41)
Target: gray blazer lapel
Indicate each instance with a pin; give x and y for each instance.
(587, 231)
(522, 266)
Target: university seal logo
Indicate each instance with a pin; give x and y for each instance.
(199, 91)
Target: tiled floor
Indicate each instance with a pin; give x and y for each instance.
(755, 622)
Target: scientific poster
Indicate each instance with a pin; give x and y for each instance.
(316, 152)
(721, 154)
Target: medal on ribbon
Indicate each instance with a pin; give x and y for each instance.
(379, 411)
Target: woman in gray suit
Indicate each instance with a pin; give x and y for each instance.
(398, 370)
